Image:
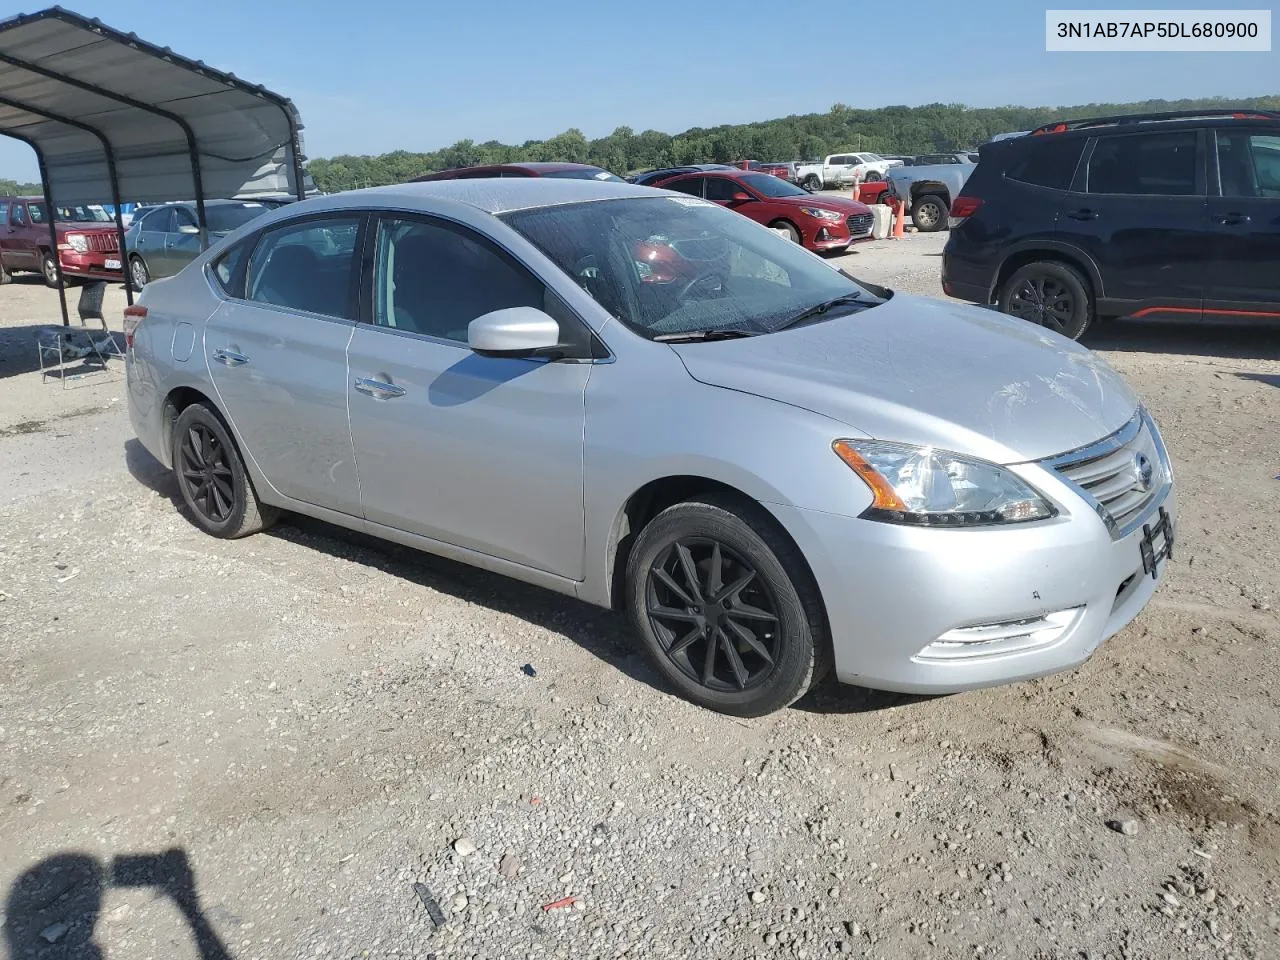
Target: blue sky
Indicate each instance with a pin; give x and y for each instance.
(377, 75)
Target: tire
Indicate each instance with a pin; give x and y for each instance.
(5, 275)
(1051, 294)
(780, 644)
(812, 183)
(929, 213)
(49, 269)
(139, 275)
(793, 232)
(211, 475)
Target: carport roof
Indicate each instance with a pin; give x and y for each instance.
(89, 98)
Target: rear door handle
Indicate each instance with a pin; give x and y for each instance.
(1082, 215)
(1232, 219)
(230, 358)
(378, 389)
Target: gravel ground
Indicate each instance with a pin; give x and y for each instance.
(308, 743)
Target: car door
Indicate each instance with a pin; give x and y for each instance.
(181, 248)
(150, 241)
(482, 453)
(21, 251)
(1137, 209)
(1244, 277)
(276, 349)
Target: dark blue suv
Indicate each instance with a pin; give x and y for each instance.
(1155, 215)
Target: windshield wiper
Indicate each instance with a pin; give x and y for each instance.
(690, 336)
(818, 309)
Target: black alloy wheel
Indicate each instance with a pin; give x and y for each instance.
(207, 478)
(713, 613)
(1049, 294)
(212, 477)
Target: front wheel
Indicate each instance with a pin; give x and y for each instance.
(1050, 294)
(929, 213)
(726, 607)
(211, 475)
(812, 184)
(793, 232)
(49, 270)
(138, 273)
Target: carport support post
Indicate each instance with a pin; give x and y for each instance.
(115, 200)
(53, 236)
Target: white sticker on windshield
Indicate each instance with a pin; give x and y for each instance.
(602, 175)
(691, 202)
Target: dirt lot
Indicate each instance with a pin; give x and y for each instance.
(310, 720)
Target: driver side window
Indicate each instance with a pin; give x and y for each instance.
(19, 216)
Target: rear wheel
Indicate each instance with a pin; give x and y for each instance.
(1050, 294)
(49, 269)
(929, 213)
(793, 232)
(138, 273)
(726, 607)
(212, 477)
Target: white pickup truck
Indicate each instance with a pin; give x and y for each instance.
(841, 169)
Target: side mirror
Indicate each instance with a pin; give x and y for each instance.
(740, 197)
(188, 228)
(514, 332)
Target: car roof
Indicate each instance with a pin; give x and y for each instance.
(491, 195)
(536, 167)
(1130, 123)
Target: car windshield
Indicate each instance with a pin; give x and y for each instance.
(772, 186)
(225, 217)
(669, 266)
(588, 173)
(82, 214)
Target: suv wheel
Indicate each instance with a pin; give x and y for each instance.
(929, 213)
(212, 477)
(49, 270)
(725, 606)
(1050, 294)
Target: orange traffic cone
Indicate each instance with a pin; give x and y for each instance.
(899, 217)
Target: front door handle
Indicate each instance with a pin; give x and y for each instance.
(1085, 214)
(230, 358)
(1232, 219)
(378, 389)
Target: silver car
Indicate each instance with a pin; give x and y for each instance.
(648, 402)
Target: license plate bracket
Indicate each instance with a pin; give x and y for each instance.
(1152, 555)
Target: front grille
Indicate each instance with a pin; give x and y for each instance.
(859, 224)
(1120, 475)
(102, 242)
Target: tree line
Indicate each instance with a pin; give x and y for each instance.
(932, 128)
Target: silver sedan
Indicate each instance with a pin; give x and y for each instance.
(648, 402)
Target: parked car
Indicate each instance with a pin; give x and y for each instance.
(820, 224)
(165, 238)
(928, 191)
(1157, 215)
(930, 159)
(782, 171)
(88, 247)
(773, 468)
(841, 169)
(571, 171)
(651, 176)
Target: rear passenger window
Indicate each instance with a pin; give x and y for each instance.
(1149, 164)
(307, 266)
(692, 186)
(1046, 162)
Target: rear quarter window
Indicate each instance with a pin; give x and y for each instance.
(1047, 163)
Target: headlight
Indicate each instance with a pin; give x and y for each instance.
(78, 242)
(928, 487)
(822, 214)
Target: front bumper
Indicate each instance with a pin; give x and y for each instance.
(902, 602)
(92, 265)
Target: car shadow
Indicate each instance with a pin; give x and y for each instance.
(1270, 379)
(1259, 340)
(603, 633)
(52, 909)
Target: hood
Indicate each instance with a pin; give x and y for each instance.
(932, 373)
(847, 207)
(88, 226)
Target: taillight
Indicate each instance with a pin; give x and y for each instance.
(133, 315)
(965, 207)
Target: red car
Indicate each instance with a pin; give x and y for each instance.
(820, 223)
(574, 171)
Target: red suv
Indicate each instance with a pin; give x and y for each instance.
(819, 223)
(573, 171)
(88, 247)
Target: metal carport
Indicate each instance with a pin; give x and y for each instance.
(112, 118)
